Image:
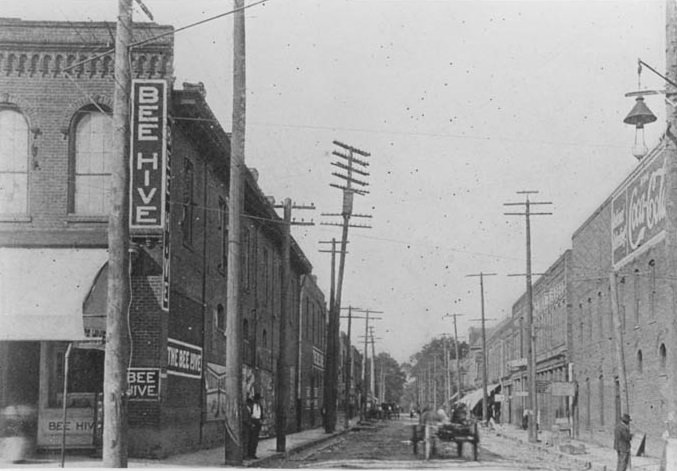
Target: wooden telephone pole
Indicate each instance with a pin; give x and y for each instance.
(459, 385)
(349, 190)
(485, 395)
(349, 377)
(283, 377)
(531, 357)
(114, 452)
(233, 449)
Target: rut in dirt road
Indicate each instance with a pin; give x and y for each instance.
(387, 445)
(377, 442)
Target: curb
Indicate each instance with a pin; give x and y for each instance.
(588, 464)
(296, 449)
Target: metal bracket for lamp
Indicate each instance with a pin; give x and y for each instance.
(641, 93)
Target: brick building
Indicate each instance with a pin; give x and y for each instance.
(626, 235)
(312, 354)
(355, 375)
(579, 339)
(54, 186)
(551, 321)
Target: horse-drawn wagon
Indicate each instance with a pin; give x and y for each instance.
(459, 430)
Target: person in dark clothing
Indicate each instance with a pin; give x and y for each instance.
(247, 425)
(256, 421)
(622, 437)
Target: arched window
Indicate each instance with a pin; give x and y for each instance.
(91, 136)
(264, 338)
(640, 361)
(245, 330)
(662, 356)
(14, 138)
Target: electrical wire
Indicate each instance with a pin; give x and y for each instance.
(155, 38)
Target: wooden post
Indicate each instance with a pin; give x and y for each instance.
(618, 340)
(117, 342)
(349, 372)
(282, 364)
(233, 449)
(458, 362)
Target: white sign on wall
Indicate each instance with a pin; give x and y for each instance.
(148, 155)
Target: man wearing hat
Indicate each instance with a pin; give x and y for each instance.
(622, 437)
(255, 418)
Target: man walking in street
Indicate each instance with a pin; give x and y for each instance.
(622, 437)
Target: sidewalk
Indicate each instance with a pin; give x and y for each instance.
(213, 457)
(598, 457)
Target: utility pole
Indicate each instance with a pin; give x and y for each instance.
(669, 460)
(233, 437)
(447, 362)
(372, 385)
(282, 378)
(349, 360)
(332, 287)
(458, 358)
(114, 451)
(531, 357)
(363, 408)
(435, 382)
(370, 339)
(331, 372)
(620, 354)
(349, 372)
(485, 395)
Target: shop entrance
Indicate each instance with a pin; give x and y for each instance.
(83, 396)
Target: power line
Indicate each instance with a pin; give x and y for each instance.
(155, 38)
(427, 134)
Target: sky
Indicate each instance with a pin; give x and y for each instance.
(460, 103)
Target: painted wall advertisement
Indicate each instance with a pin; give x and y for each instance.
(148, 156)
(79, 427)
(215, 385)
(143, 384)
(184, 359)
(638, 210)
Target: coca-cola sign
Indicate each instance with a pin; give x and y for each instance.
(638, 209)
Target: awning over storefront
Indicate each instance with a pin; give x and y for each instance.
(473, 398)
(43, 290)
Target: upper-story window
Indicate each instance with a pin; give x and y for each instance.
(223, 232)
(14, 138)
(92, 158)
(188, 202)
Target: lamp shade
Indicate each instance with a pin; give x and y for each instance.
(640, 114)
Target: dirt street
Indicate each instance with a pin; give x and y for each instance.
(387, 445)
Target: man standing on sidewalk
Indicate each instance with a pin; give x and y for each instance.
(256, 418)
(622, 437)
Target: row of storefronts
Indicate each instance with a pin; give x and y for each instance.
(588, 353)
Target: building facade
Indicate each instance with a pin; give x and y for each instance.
(55, 156)
(553, 347)
(624, 247)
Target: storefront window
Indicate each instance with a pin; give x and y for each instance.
(85, 377)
